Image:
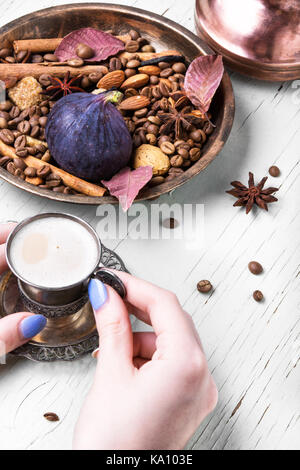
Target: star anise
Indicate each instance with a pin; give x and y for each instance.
(63, 87)
(179, 117)
(254, 194)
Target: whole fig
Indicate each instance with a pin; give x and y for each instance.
(88, 137)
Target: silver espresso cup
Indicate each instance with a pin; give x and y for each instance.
(67, 300)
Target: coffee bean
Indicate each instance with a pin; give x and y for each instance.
(142, 42)
(21, 55)
(43, 171)
(36, 59)
(156, 92)
(20, 142)
(133, 64)
(165, 73)
(53, 183)
(156, 180)
(11, 168)
(274, 171)
(154, 120)
(20, 174)
(148, 48)
(204, 287)
(29, 171)
(14, 112)
(115, 64)
(195, 154)
(179, 67)
(5, 115)
(147, 91)
(186, 163)
(129, 73)
(84, 51)
(163, 65)
(34, 120)
(46, 157)
(6, 105)
(51, 58)
(154, 80)
(19, 163)
(96, 76)
(32, 150)
(167, 147)
(24, 127)
(3, 123)
(45, 80)
(132, 46)
(197, 135)
(53, 177)
(7, 136)
(151, 139)
(4, 161)
(43, 121)
(258, 296)
(44, 110)
(134, 34)
(75, 62)
(35, 131)
(164, 90)
(255, 267)
(140, 113)
(22, 152)
(59, 189)
(170, 223)
(68, 190)
(164, 138)
(5, 52)
(51, 417)
(164, 104)
(208, 128)
(176, 161)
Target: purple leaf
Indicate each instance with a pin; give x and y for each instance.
(127, 184)
(104, 44)
(202, 80)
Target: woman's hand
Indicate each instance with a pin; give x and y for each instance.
(151, 390)
(18, 328)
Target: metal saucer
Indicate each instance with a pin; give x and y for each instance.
(66, 338)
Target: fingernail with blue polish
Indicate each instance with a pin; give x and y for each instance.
(32, 325)
(97, 293)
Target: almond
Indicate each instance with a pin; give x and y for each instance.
(150, 70)
(136, 81)
(134, 103)
(36, 180)
(112, 79)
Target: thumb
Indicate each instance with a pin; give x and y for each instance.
(113, 324)
(18, 328)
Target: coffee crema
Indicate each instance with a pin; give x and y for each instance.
(54, 252)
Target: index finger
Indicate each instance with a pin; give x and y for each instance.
(5, 230)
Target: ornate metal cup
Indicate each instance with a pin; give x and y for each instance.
(60, 302)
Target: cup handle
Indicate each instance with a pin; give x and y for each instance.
(111, 279)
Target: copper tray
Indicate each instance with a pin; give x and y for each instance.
(260, 38)
(63, 339)
(164, 34)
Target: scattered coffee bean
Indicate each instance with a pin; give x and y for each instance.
(115, 64)
(167, 147)
(6, 105)
(4, 161)
(22, 152)
(274, 171)
(148, 48)
(45, 80)
(43, 121)
(204, 286)
(29, 171)
(21, 55)
(3, 123)
(36, 59)
(84, 51)
(179, 67)
(156, 180)
(51, 417)
(195, 154)
(5, 52)
(24, 127)
(134, 34)
(10, 60)
(255, 267)
(170, 223)
(176, 161)
(11, 168)
(258, 296)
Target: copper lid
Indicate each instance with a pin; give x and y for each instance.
(260, 38)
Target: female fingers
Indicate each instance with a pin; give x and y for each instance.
(18, 328)
(5, 230)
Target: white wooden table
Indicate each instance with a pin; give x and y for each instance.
(252, 348)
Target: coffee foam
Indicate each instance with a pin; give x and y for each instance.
(53, 252)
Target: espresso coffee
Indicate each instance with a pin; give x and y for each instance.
(54, 252)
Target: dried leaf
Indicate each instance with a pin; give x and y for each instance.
(127, 184)
(202, 80)
(104, 44)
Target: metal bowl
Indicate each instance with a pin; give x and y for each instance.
(163, 34)
(260, 38)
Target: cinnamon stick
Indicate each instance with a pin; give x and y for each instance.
(150, 55)
(73, 182)
(47, 45)
(19, 71)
